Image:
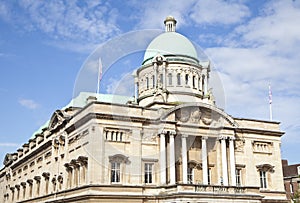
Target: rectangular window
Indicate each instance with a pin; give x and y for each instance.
(148, 173)
(115, 172)
(238, 177)
(263, 179)
(190, 175)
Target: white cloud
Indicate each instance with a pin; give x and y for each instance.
(72, 20)
(218, 11)
(28, 103)
(264, 50)
(277, 25)
(9, 144)
(121, 86)
(188, 12)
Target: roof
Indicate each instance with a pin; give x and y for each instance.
(81, 100)
(170, 43)
(290, 170)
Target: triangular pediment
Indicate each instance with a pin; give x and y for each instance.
(198, 113)
(57, 119)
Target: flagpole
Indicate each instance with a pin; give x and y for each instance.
(270, 103)
(99, 75)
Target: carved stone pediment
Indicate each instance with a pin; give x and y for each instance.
(265, 167)
(57, 119)
(9, 158)
(199, 113)
(120, 158)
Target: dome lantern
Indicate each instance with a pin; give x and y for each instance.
(170, 24)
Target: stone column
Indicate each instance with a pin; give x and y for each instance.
(224, 161)
(38, 185)
(184, 158)
(232, 161)
(204, 161)
(136, 89)
(172, 159)
(162, 159)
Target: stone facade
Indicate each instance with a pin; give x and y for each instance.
(172, 145)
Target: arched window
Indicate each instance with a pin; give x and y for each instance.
(178, 79)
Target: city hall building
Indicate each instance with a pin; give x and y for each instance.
(170, 143)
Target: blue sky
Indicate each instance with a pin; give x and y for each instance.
(44, 44)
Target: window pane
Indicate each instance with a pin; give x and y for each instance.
(115, 172)
(148, 173)
(190, 175)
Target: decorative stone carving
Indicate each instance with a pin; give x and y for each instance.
(239, 145)
(9, 158)
(206, 118)
(262, 147)
(196, 115)
(120, 158)
(183, 114)
(265, 167)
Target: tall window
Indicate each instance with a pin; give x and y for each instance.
(148, 173)
(194, 81)
(263, 179)
(115, 172)
(161, 78)
(291, 188)
(153, 81)
(190, 175)
(170, 78)
(238, 177)
(209, 176)
(178, 79)
(186, 79)
(147, 83)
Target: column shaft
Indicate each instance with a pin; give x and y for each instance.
(224, 162)
(204, 161)
(172, 160)
(162, 159)
(232, 162)
(184, 158)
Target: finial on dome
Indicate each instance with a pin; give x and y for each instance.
(170, 24)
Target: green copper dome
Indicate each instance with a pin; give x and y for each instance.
(170, 43)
